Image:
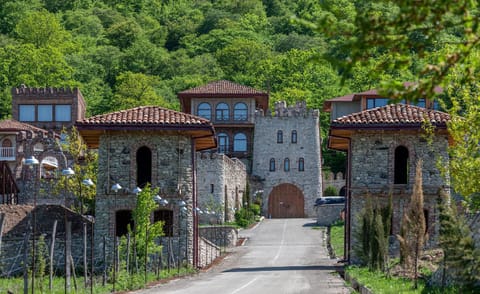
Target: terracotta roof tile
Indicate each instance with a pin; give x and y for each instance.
(144, 116)
(223, 87)
(14, 125)
(392, 115)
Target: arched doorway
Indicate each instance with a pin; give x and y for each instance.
(286, 201)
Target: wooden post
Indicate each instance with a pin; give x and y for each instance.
(2, 220)
(25, 259)
(85, 267)
(128, 253)
(52, 246)
(72, 264)
(68, 252)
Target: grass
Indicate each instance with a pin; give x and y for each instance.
(124, 282)
(336, 238)
(379, 283)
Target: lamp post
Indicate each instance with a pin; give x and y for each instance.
(181, 205)
(116, 187)
(162, 202)
(66, 173)
(32, 162)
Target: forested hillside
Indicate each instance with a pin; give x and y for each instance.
(125, 53)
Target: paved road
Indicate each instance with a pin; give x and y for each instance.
(280, 256)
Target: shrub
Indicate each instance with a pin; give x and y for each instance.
(330, 191)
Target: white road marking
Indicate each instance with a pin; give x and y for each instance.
(281, 243)
(245, 286)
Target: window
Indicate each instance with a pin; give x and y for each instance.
(286, 165)
(165, 216)
(26, 112)
(240, 111)
(45, 112)
(401, 165)
(123, 220)
(301, 164)
(272, 164)
(63, 112)
(240, 142)
(222, 112)
(436, 105)
(279, 137)
(222, 143)
(204, 110)
(294, 137)
(212, 188)
(7, 143)
(144, 166)
(376, 102)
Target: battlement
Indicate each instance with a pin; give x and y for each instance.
(234, 163)
(47, 92)
(281, 109)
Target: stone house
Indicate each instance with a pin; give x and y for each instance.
(383, 144)
(242, 132)
(287, 160)
(147, 145)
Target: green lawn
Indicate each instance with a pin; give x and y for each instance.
(336, 238)
(123, 282)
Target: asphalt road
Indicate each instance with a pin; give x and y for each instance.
(280, 256)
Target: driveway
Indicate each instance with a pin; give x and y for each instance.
(279, 256)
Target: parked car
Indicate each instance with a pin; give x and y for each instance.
(329, 200)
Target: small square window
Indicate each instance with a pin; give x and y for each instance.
(63, 112)
(26, 112)
(45, 113)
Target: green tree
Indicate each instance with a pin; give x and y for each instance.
(461, 260)
(413, 228)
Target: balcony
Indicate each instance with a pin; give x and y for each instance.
(7, 153)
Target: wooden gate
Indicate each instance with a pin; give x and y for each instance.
(286, 201)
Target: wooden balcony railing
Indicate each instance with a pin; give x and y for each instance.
(7, 153)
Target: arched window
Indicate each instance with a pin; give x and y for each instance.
(204, 110)
(222, 143)
(222, 112)
(240, 142)
(7, 143)
(144, 166)
(123, 220)
(301, 164)
(272, 164)
(286, 165)
(401, 165)
(279, 137)
(240, 111)
(294, 137)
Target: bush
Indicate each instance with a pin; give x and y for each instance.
(244, 217)
(330, 191)
(255, 208)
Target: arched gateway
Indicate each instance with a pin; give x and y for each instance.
(286, 201)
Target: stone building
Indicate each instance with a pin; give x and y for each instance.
(147, 145)
(231, 108)
(221, 184)
(384, 143)
(287, 160)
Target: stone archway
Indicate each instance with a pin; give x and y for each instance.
(286, 201)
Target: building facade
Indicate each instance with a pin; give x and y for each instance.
(384, 145)
(287, 160)
(147, 145)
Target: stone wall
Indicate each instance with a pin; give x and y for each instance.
(327, 214)
(208, 252)
(221, 184)
(288, 119)
(221, 236)
(172, 173)
(372, 166)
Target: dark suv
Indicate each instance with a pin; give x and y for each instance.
(329, 200)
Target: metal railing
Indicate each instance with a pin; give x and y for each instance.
(7, 153)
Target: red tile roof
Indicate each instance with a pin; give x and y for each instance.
(145, 116)
(11, 125)
(152, 118)
(223, 87)
(392, 115)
